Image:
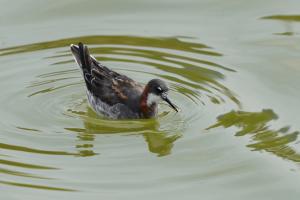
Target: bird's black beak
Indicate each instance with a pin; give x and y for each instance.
(166, 99)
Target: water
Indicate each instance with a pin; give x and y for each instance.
(233, 71)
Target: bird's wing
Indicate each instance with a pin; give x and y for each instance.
(111, 87)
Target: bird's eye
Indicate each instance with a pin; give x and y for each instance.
(159, 89)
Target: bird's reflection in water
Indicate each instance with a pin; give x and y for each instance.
(278, 142)
(158, 141)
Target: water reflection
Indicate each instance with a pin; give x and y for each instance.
(40, 187)
(22, 174)
(256, 124)
(158, 141)
(287, 20)
(50, 100)
(19, 170)
(160, 42)
(176, 57)
(194, 81)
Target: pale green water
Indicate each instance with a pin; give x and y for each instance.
(233, 68)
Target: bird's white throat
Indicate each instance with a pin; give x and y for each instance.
(153, 98)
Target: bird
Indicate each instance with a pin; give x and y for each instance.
(115, 95)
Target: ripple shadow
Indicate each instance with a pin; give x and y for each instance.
(189, 67)
(256, 124)
(159, 141)
(55, 95)
(287, 20)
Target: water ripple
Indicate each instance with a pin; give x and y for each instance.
(47, 114)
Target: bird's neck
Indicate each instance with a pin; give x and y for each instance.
(148, 109)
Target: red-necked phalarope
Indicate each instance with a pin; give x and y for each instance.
(115, 95)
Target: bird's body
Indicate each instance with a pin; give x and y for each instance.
(115, 95)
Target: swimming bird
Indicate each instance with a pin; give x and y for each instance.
(115, 95)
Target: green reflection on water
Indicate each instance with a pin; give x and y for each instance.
(200, 74)
(290, 18)
(23, 165)
(41, 187)
(17, 173)
(31, 150)
(190, 74)
(159, 142)
(172, 43)
(287, 19)
(264, 138)
(173, 59)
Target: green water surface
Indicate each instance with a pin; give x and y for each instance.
(233, 68)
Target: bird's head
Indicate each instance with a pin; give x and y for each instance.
(157, 90)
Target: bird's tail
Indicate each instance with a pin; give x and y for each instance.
(82, 57)
(84, 60)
